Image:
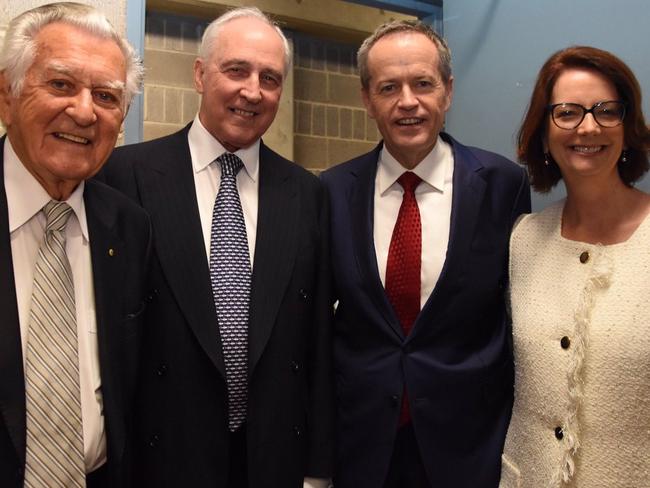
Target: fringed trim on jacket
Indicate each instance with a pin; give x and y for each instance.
(598, 279)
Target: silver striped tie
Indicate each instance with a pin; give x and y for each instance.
(54, 429)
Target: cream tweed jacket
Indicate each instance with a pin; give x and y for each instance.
(581, 329)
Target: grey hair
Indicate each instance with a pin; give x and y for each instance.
(212, 31)
(404, 26)
(19, 48)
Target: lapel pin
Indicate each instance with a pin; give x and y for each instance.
(111, 252)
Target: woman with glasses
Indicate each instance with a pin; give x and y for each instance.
(580, 283)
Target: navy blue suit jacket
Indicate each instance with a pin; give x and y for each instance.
(457, 363)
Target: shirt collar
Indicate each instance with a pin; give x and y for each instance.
(205, 149)
(26, 197)
(433, 169)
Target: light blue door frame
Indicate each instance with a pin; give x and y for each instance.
(134, 122)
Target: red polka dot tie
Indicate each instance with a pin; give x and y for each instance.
(404, 264)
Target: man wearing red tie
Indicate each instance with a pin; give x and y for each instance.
(420, 229)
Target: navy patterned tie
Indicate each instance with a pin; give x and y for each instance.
(230, 274)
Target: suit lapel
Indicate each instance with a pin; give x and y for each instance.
(275, 249)
(168, 193)
(362, 201)
(468, 192)
(109, 271)
(12, 386)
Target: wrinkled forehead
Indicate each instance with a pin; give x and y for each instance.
(62, 40)
(399, 51)
(402, 41)
(72, 51)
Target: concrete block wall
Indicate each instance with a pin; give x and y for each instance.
(171, 46)
(331, 124)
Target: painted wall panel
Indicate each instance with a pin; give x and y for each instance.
(498, 47)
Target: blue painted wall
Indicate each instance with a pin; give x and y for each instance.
(498, 47)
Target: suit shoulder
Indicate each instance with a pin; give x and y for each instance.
(283, 164)
(353, 165)
(133, 152)
(119, 170)
(103, 196)
(493, 159)
(148, 147)
(488, 159)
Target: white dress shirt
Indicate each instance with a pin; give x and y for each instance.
(25, 200)
(205, 149)
(434, 198)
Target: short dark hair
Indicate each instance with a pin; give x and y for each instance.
(530, 139)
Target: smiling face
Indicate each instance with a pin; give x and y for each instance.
(406, 95)
(589, 150)
(240, 82)
(64, 123)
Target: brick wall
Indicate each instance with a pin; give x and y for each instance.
(331, 124)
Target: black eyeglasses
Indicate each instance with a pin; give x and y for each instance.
(570, 115)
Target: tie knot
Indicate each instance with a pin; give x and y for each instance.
(409, 181)
(57, 215)
(230, 164)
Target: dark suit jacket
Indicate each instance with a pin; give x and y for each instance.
(120, 297)
(456, 363)
(182, 408)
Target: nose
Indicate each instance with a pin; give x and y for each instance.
(81, 108)
(251, 90)
(407, 99)
(588, 125)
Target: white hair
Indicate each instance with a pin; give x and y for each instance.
(212, 31)
(19, 48)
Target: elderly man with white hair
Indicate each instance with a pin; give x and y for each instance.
(73, 253)
(236, 387)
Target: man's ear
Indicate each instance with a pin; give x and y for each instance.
(365, 96)
(126, 110)
(198, 75)
(5, 100)
(450, 92)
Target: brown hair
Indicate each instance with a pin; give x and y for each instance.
(533, 130)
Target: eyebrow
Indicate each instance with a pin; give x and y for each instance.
(275, 73)
(58, 67)
(249, 65)
(67, 71)
(114, 85)
(235, 62)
